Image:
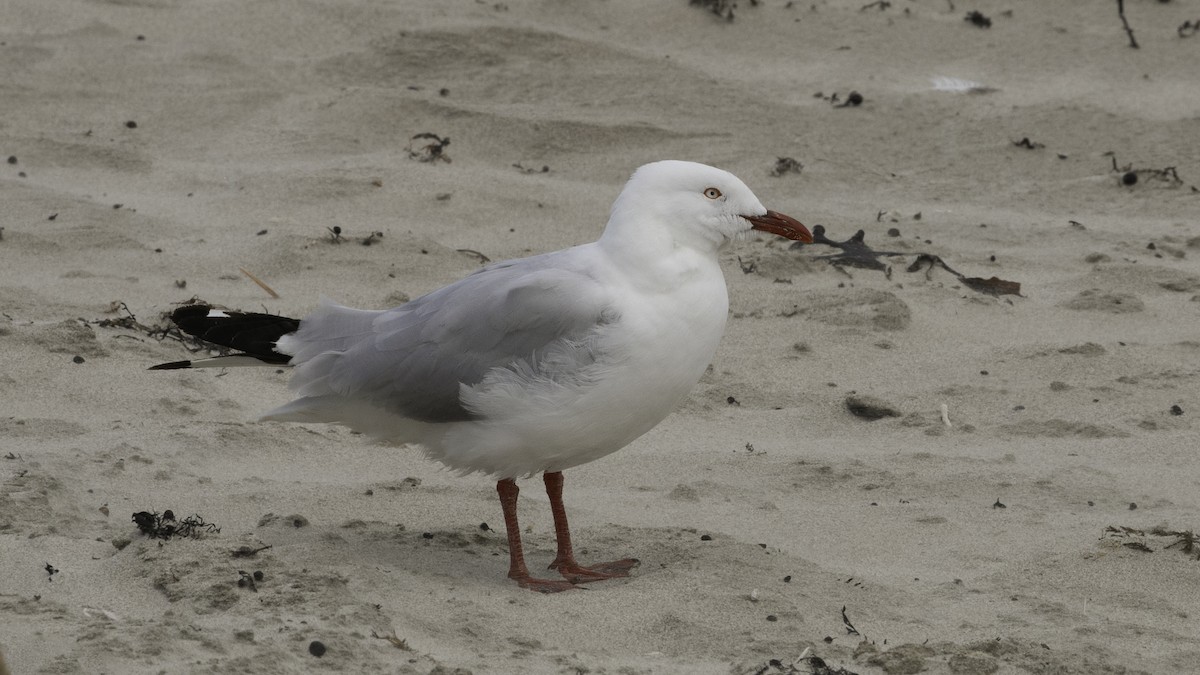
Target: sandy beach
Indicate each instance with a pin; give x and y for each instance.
(964, 443)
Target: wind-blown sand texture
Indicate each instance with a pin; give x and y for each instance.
(158, 146)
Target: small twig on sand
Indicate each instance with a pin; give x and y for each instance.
(1128, 31)
(474, 254)
(248, 551)
(270, 291)
(397, 642)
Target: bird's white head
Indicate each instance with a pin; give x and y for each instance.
(678, 203)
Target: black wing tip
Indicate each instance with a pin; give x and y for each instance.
(189, 310)
(174, 365)
(253, 334)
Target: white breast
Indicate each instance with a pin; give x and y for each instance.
(652, 356)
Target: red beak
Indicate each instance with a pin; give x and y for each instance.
(784, 226)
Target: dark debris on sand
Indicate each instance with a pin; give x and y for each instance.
(165, 329)
(805, 665)
(854, 252)
(433, 151)
(1186, 541)
(722, 9)
(164, 525)
(869, 408)
(990, 286)
(786, 165)
(1128, 176)
(978, 20)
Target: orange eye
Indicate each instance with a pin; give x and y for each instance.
(712, 193)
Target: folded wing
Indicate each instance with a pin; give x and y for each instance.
(413, 360)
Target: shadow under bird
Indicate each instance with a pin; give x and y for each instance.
(527, 366)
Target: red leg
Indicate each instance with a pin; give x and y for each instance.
(565, 562)
(517, 571)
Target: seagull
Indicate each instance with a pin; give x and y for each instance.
(526, 366)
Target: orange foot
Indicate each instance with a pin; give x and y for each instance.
(578, 574)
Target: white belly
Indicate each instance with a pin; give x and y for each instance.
(652, 357)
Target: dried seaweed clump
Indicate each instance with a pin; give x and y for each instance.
(1186, 541)
(164, 525)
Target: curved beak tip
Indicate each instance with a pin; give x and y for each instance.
(782, 225)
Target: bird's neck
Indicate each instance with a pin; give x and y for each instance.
(638, 231)
(655, 256)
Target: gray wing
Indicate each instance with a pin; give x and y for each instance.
(412, 359)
